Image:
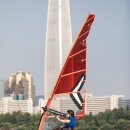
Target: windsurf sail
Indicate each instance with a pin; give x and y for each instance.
(69, 91)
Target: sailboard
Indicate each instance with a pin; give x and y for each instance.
(69, 91)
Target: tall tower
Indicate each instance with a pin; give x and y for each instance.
(58, 41)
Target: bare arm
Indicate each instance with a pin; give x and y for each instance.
(63, 120)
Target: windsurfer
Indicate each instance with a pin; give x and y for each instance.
(69, 122)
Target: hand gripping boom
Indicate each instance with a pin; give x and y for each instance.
(54, 112)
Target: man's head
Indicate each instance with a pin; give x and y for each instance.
(70, 113)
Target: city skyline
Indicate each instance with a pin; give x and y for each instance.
(22, 39)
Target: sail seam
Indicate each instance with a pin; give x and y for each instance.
(77, 53)
(84, 34)
(75, 72)
(89, 20)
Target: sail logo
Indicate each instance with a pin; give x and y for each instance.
(76, 95)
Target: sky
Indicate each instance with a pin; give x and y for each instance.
(22, 42)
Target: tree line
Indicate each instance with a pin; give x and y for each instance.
(19, 121)
(117, 119)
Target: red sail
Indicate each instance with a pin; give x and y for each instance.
(73, 75)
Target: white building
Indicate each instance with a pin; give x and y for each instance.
(115, 100)
(102, 103)
(1, 88)
(8, 105)
(124, 103)
(58, 41)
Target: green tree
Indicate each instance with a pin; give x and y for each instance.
(127, 115)
(27, 118)
(22, 127)
(7, 126)
(93, 127)
(121, 124)
(107, 127)
(97, 123)
(81, 125)
(102, 121)
(118, 113)
(107, 115)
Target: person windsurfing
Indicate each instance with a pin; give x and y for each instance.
(71, 81)
(69, 122)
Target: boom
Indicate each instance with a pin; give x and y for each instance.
(57, 113)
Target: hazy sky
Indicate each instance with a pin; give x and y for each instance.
(22, 40)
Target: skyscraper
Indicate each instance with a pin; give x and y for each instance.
(20, 86)
(58, 41)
